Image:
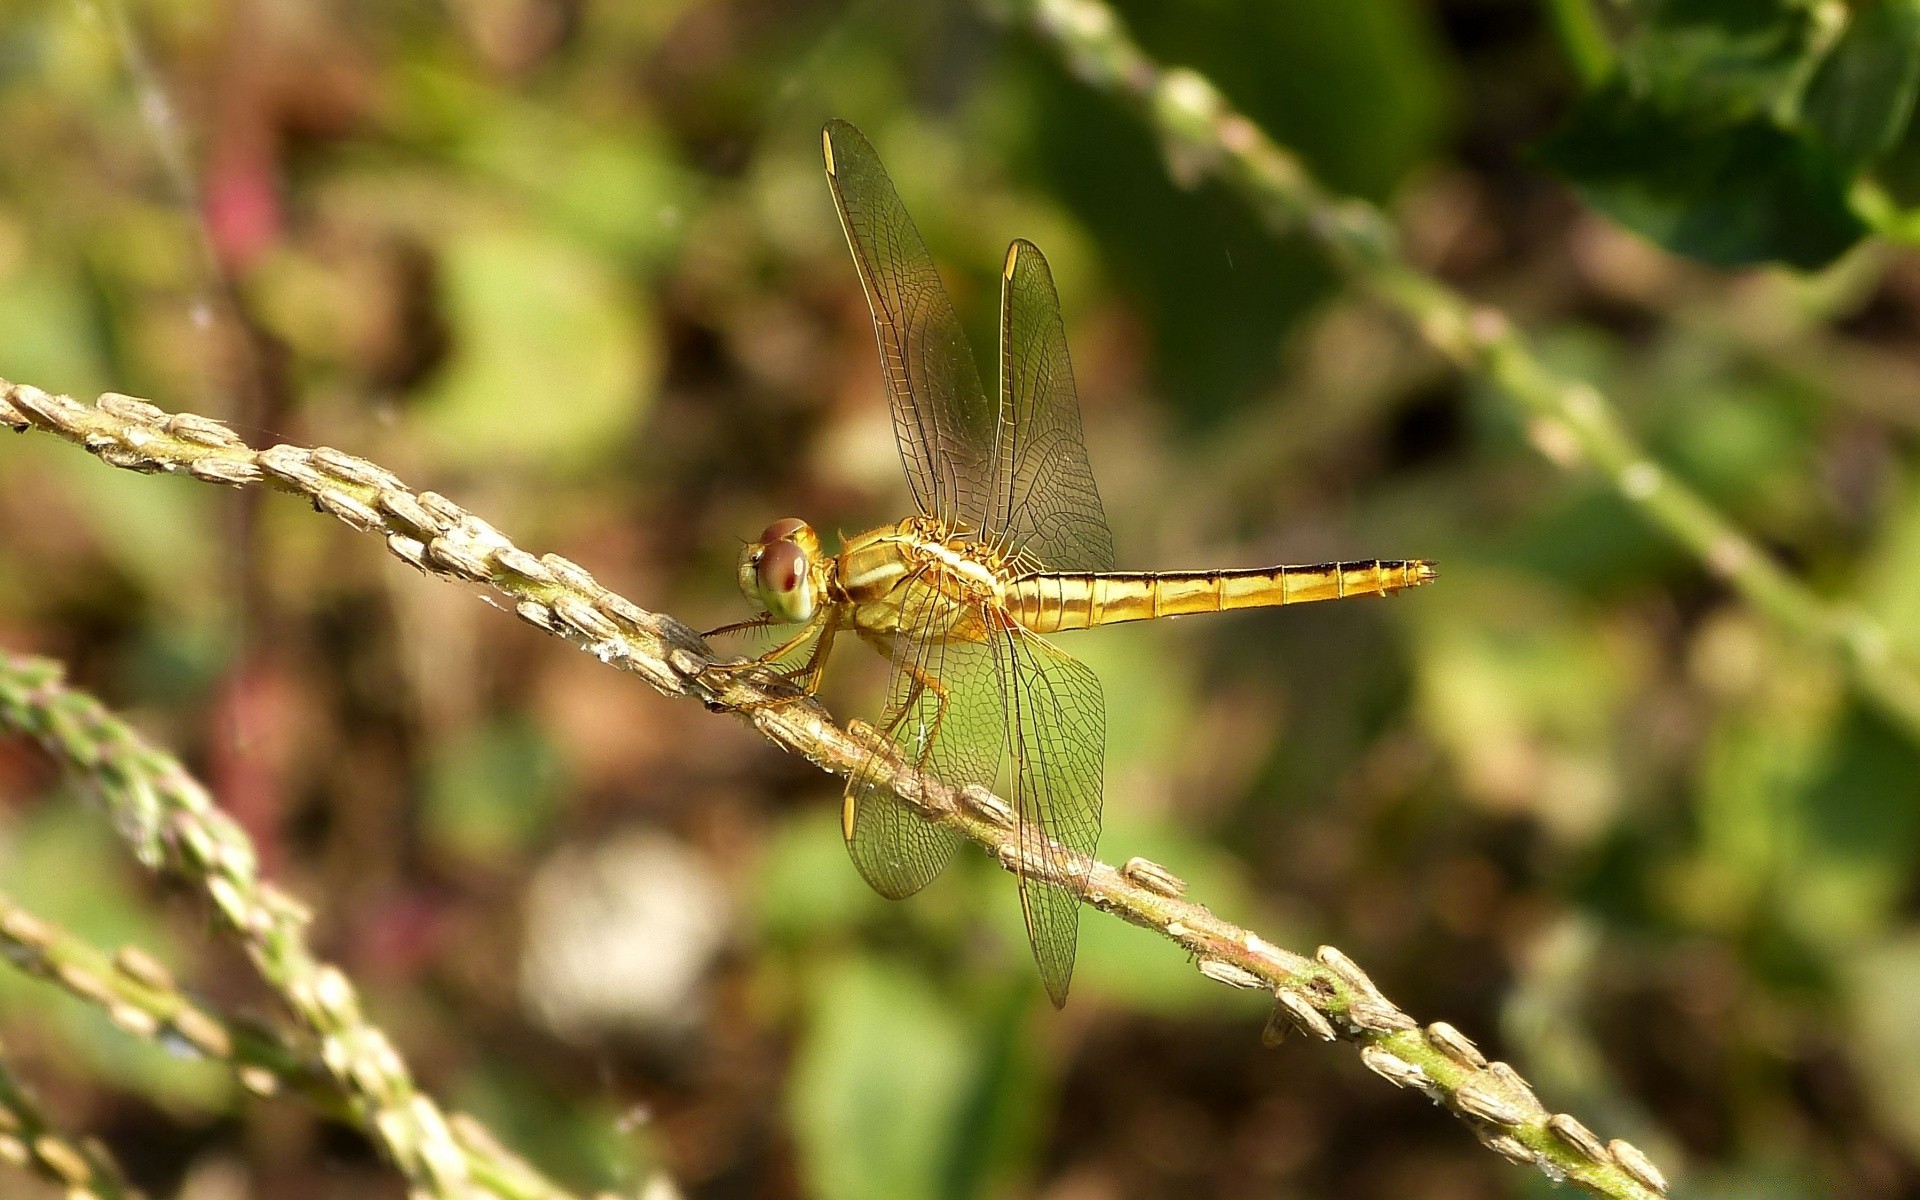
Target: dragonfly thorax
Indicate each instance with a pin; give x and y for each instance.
(971, 564)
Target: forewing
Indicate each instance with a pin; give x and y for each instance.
(945, 715)
(1056, 733)
(941, 416)
(1045, 502)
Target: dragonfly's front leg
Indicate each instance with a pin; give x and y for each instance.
(759, 622)
(805, 678)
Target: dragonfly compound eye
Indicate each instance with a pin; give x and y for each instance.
(786, 587)
(780, 531)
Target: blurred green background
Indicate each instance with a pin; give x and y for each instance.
(574, 265)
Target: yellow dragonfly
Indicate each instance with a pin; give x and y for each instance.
(1009, 544)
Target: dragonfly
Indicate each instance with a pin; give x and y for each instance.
(1008, 545)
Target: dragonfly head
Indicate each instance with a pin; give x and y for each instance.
(783, 571)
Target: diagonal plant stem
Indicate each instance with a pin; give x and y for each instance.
(1327, 995)
(1569, 420)
(31, 1142)
(172, 823)
(139, 995)
(1583, 38)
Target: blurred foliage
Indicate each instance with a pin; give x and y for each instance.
(574, 265)
(1743, 131)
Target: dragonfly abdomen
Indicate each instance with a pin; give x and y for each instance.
(1048, 602)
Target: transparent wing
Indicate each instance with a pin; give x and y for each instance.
(944, 714)
(940, 412)
(1044, 499)
(1056, 732)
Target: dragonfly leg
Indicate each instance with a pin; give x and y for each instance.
(759, 622)
(805, 679)
(921, 684)
(770, 657)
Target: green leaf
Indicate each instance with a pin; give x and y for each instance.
(881, 1085)
(1862, 98)
(1734, 131)
(1731, 194)
(1732, 58)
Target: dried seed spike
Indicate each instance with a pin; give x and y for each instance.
(335, 1055)
(1232, 974)
(1519, 1089)
(1510, 1148)
(231, 472)
(1392, 1068)
(469, 1132)
(457, 558)
(437, 1146)
(334, 995)
(82, 982)
(95, 443)
(258, 1080)
(228, 899)
(1153, 877)
(342, 465)
(1455, 1045)
(400, 504)
(10, 416)
(127, 408)
(61, 412)
(443, 509)
(63, 1160)
(982, 803)
(354, 513)
(622, 609)
(1310, 1019)
(370, 1078)
(1638, 1165)
(583, 618)
(1578, 1136)
(205, 431)
(571, 573)
(1379, 1017)
(289, 463)
(535, 614)
(136, 1021)
(130, 459)
(523, 564)
(408, 550)
(686, 663)
(138, 965)
(1348, 970)
(1476, 1099)
(1011, 856)
(203, 1032)
(21, 926)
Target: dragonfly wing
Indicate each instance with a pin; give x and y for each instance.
(944, 714)
(941, 416)
(1056, 728)
(1044, 499)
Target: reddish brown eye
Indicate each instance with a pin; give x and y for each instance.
(780, 531)
(782, 567)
